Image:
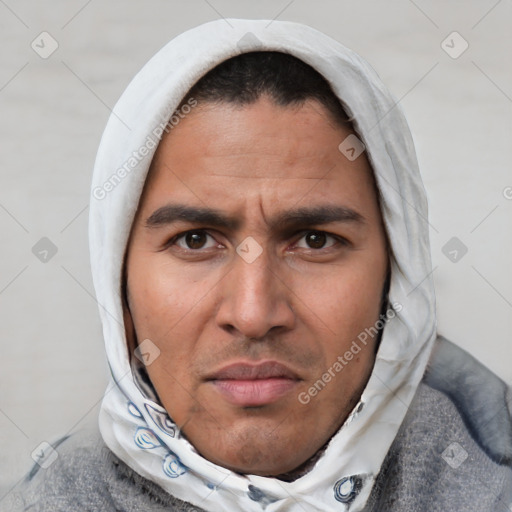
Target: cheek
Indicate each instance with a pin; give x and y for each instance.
(165, 308)
(345, 298)
(171, 307)
(162, 296)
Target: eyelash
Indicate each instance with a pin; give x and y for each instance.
(338, 239)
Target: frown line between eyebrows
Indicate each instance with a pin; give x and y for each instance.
(295, 218)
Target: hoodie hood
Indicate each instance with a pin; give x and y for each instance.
(137, 428)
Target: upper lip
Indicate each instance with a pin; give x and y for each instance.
(248, 371)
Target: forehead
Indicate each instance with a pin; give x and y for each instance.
(227, 154)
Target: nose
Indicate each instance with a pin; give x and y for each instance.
(255, 299)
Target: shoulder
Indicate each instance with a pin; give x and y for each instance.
(483, 400)
(453, 450)
(79, 472)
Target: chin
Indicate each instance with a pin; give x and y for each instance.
(258, 451)
(266, 468)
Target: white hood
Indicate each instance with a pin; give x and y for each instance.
(136, 428)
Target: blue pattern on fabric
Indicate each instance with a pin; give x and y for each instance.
(132, 409)
(346, 489)
(162, 420)
(172, 466)
(146, 439)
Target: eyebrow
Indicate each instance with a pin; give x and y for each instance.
(294, 218)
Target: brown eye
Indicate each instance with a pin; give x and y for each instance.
(316, 239)
(194, 242)
(195, 239)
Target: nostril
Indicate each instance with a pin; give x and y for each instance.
(229, 328)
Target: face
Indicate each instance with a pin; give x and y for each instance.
(256, 258)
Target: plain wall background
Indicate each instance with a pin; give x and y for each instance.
(53, 111)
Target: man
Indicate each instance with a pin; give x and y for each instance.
(259, 245)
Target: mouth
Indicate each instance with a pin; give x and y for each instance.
(253, 385)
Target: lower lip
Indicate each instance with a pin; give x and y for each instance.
(256, 392)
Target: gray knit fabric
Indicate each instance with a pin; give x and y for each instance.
(452, 453)
(87, 476)
(422, 473)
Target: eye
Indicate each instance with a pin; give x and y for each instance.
(194, 240)
(317, 240)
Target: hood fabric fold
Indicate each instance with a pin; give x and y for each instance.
(138, 429)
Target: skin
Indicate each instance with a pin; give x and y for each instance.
(205, 306)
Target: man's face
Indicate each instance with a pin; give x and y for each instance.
(264, 261)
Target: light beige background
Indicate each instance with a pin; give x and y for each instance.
(53, 111)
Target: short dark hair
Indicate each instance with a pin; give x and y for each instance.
(287, 80)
